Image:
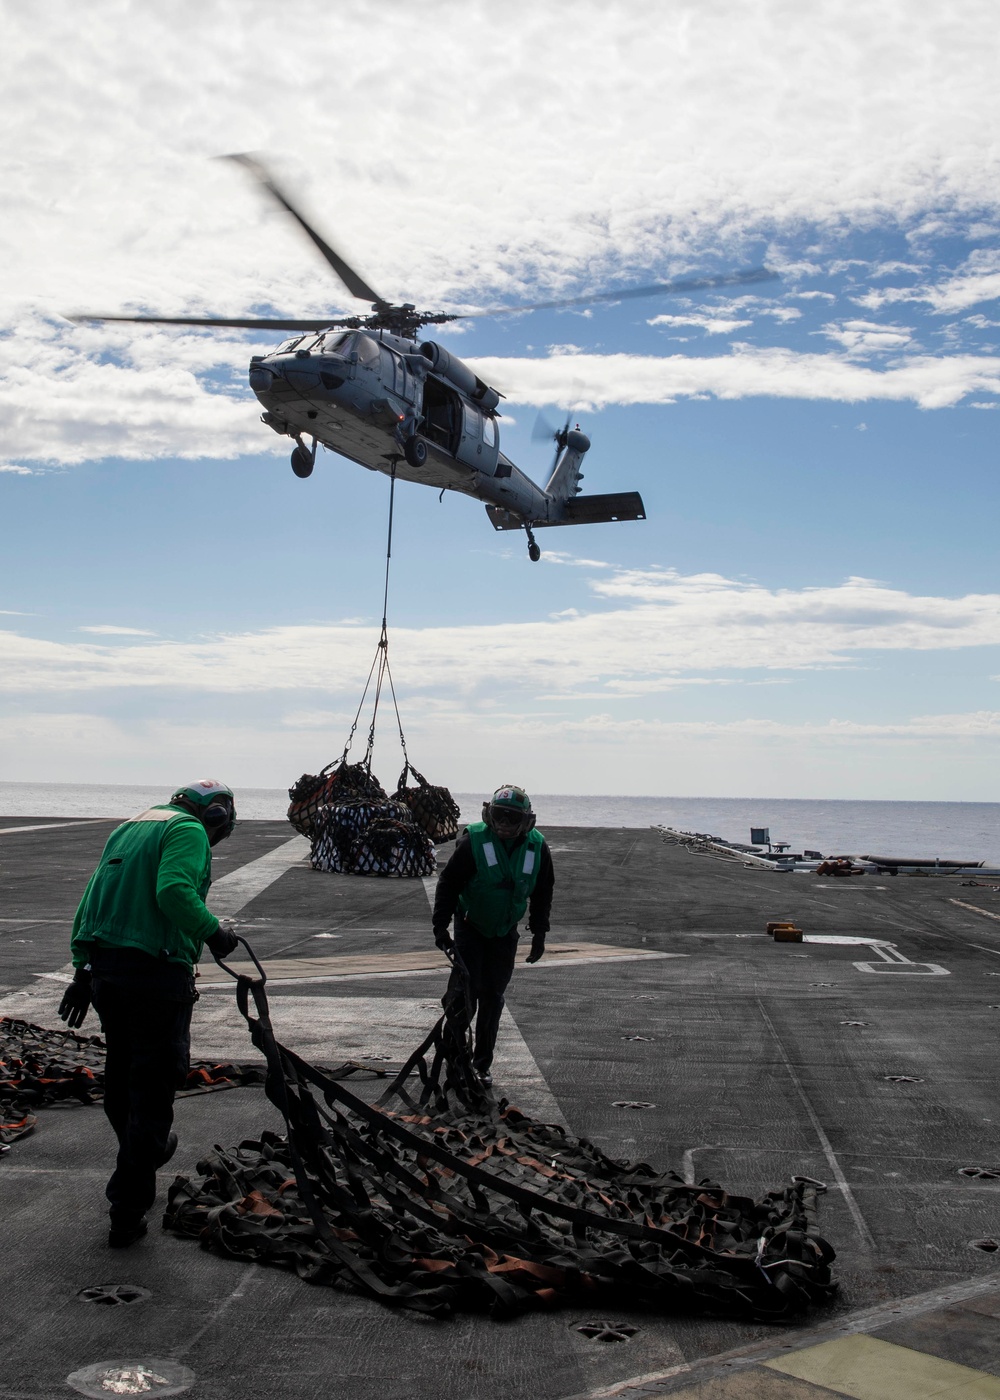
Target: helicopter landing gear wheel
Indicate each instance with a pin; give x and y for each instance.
(303, 460)
(415, 451)
(534, 552)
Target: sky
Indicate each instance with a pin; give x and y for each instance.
(811, 608)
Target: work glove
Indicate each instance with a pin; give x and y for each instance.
(76, 999)
(443, 939)
(223, 941)
(537, 948)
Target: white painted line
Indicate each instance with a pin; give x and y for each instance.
(50, 826)
(828, 1152)
(235, 890)
(994, 951)
(975, 909)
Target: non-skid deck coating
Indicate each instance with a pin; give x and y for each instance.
(745, 1049)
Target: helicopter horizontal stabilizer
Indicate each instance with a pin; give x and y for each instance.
(579, 510)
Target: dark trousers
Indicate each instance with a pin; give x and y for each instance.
(489, 963)
(148, 1038)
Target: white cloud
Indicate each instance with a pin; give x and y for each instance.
(711, 325)
(594, 381)
(108, 629)
(648, 628)
(868, 337)
(637, 161)
(63, 400)
(72, 408)
(15, 470)
(977, 280)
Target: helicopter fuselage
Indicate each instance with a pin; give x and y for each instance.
(366, 396)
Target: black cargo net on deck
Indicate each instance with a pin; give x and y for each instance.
(39, 1068)
(448, 1201)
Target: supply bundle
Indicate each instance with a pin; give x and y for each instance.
(354, 826)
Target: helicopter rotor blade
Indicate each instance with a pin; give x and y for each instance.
(352, 280)
(317, 323)
(684, 284)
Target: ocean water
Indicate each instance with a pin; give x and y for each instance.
(948, 830)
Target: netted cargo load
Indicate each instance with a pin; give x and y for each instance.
(434, 809)
(391, 847)
(337, 827)
(337, 782)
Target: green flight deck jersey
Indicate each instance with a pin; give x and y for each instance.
(148, 891)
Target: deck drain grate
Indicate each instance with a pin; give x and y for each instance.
(901, 1079)
(989, 1246)
(979, 1173)
(111, 1294)
(631, 1103)
(607, 1331)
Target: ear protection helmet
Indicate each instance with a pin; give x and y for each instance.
(212, 803)
(508, 812)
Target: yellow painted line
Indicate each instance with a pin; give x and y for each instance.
(867, 1368)
(399, 964)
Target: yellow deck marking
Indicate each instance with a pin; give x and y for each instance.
(429, 960)
(867, 1368)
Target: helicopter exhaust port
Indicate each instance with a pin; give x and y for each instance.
(303, 460)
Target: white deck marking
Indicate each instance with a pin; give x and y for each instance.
(887, 953)
(975, 909)
(50, 826)
(235, 890)
(514, 1065)
(828, 1152)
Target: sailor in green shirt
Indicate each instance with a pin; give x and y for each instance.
(500, 869)
(137, 935)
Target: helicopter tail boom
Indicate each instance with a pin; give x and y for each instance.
(578, 510)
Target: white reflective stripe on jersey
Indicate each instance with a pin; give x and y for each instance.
(529, 860)
(489, 853)
(155, 815)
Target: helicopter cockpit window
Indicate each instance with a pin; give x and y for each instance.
(368, 351)
(337, 343)
(287, 346)
(489, 431)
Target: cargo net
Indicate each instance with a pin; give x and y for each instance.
(434, 809)
(449, 1202)
(40, 1068)
(370, 838)
(337, 783)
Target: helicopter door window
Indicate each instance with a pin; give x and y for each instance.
(489, 432)
(473, 422)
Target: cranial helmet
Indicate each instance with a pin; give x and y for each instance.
(508, 811)
(212, 803)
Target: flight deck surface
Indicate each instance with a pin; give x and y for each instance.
(865, 1056)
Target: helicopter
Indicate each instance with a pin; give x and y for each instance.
(365, 387)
